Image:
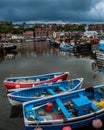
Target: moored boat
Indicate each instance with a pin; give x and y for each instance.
(84, 47)
(71, 48)
(100, 51)
(101, 45)
(15, 83)
(76, 109)
(99, 55)
(34, 93)
(7, 47)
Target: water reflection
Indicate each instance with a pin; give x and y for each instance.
(37, 48)
(16, 112)
(72, 55)
(25, 49)
(8, 56)
(42, 48)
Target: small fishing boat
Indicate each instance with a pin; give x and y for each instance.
(7, 47)
(98, 66)
(100, 55)
(101, 45)
(15, 83)
(100, 50)
(53, 44)
(83, 47)
(71, 48)
(76, 109)
(34, 93)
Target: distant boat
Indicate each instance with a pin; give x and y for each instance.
(6, 47)
(99, 55)
(64, 46)
(75, 48)
(98, 65)
(76, 109)
(34, 93)
(101, 45)
(15, 83)
(53, 44)
(71, 48)
(100, 51)
(84, 47)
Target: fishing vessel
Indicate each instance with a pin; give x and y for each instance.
(75, 109)
(34, 93)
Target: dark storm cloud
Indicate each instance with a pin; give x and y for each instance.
(51, 10)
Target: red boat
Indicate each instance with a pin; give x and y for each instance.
(15, 83)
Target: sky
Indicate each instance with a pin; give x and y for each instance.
(74, 11)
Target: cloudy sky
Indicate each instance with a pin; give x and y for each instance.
(52, 10)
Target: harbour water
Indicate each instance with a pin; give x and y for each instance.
(38, 58)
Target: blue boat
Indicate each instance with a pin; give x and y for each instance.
(101, 45)
(76, 109)
(98, 66)
(100, 51)
(100, 55)
(34, 93)
(71, 48)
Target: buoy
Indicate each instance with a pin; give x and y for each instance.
(38, 129)
(49, 107)
(17, 86)
(97, 123)
(67, 128)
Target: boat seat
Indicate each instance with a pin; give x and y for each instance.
(80, 94)
(94, 107)
(51, 91)
(63, 108)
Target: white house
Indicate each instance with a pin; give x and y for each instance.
(90, 34)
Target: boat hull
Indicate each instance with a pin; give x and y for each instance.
(73, 124)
